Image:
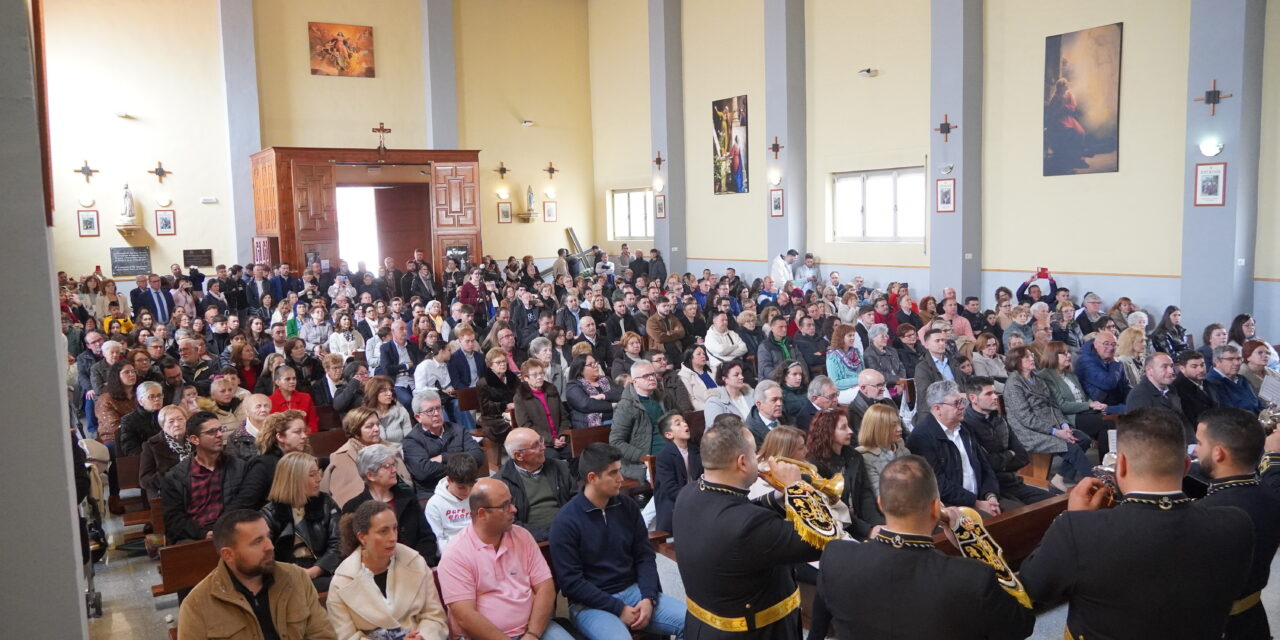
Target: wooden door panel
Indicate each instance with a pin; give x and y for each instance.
(455, 201)
(404, 221)
(313, 198)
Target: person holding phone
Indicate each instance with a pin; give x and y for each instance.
(1030, 294)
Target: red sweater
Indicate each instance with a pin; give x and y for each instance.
(300, 401)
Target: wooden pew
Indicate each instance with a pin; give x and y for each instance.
(127, 473)
(328, 418)
(1018, 531)
(184, 565)
(324, 443)
(580, 438)
(468, 399)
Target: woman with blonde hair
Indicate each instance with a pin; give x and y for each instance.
(631, 346)
(1020, 325)
(783, 442)
(303, 520)
(342, 480)
(1131, 351)
(880, 441)
(382, 584)
(1119, 312)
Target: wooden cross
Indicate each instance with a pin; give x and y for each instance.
(551, 170)
(1213, 97)
(658, 161)
(160, 172)
(382, 132)
(945, 128)
(775, 147)
(502, 171)
(86, 171)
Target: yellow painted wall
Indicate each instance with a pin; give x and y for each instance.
(723, 58)
(302, 110)
(858, 124)
(527, 60)
(163, 67)
(1030, 220)
(1267, 263)
(619, 60)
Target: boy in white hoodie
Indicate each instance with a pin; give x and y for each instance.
(447, 511)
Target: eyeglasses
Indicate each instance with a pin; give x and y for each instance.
(647, 376)
(435, 409)
(1231, 358)
(389, 465)
(501, 507)
(959, 403)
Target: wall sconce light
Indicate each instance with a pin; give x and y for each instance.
(503, 194)
(526, 123)
(659, 184)
(1210, 148)
(550, 193)
(775, 177)
(868, 72)
(946, 169)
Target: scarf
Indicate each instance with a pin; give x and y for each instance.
(782, 344)
(851, 360)
(601, 386)
(183, 449)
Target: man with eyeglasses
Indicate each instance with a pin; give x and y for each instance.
(965, 476)
(871, 390)
(1101, 374)
(197, 490)
(1227, 385)
(635, 420)
(494, 578)
(84, 365)
(427, 447)
(822, 395)
(539, 485)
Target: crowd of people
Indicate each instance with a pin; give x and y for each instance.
(919, 404)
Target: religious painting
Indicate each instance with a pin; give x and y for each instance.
(504, 213)
(660, 207)
(775, 203)
(945, 195)
(88, 223)
(1082, 101)
(341, 50)
(550, 213)
(729, 145)
(166, 222)
(1211, 184)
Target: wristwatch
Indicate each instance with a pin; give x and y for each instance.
(654, 601)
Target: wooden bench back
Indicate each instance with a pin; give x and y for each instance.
(127, 471)
(468, 399)
(184, 565)
(1018, 531)
(328, 418)
(324, 443)
(580, 438)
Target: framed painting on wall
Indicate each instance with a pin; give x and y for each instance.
(87, 220)
(340, 50)
(1082, 101)
(729, 145)
(945, 195)
(504, 213)
(1211, 184)
(167, 223)
(549, 211)
(775, 203)
(660, 207)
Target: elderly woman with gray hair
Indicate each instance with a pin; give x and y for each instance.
(377, 464)
(881, 356)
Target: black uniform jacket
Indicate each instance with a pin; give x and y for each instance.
(735, 559)
(1155, 566)
(919, 592)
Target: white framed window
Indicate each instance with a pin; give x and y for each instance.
(886, 205)
(631, 214)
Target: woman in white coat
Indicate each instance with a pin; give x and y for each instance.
(723, 344)
(382, 584)
(695, 373)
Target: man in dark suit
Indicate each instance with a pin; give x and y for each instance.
(590, 334)
(1229, 445)
(283, 282)
(255, 286)
(392, 277)
(1155, 390)
(935, 367)
(466, 365)
(1005, 453)
(1190, 386)
(1156, 565)
(397, 358)
(870, 391)
(135, 295)
(965, 477)
(920, 592)
(157, 300)
(822, 395)
(766, 415)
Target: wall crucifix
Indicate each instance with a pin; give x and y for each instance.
(502, 171)
(382, 132)
(1213, 97)
(160, 172)
(659, 160)
(551, 170)
(775, 147)
(86, 171)
(946, 127)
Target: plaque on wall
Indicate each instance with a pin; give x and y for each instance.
(458, 253)
(130, 261)
(197, 257)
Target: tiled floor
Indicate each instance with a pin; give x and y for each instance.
(130, 612)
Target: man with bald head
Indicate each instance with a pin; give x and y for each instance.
(538, 485)
(871, 390)
(493, 577)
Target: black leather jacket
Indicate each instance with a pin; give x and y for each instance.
(318, 529)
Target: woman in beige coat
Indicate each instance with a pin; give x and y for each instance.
(382, 584)
(342, 481)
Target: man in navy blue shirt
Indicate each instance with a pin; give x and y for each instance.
(602, 560)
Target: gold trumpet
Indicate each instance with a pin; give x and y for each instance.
(833, 487)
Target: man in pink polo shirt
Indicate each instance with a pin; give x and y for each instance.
(493, 576)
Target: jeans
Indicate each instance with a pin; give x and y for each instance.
(667, 619)
(1076, 466)
(405, 396)
(90, 419)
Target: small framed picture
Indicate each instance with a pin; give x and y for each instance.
(946, 195)
(549, 212)
(88, 221)
(166, 222)
(1211, 184)
(504, 213)
(659, 207)
(775, 203)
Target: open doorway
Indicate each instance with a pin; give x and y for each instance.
(383, 211)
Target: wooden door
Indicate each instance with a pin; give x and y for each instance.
(313, 198)
(456, 195)
(404, 221)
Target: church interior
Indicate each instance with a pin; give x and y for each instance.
(1124, 147)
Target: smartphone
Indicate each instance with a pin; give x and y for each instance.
(1043, 273)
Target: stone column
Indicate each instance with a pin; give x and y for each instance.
(441, 74)
(666, 125)
(785, 88)
(244, 125)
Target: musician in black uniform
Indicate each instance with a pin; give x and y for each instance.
(1155, 566)
(736, 554)
(897, 585)
(1229, 445)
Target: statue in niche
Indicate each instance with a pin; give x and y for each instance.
(529, 201)
(127, 215)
